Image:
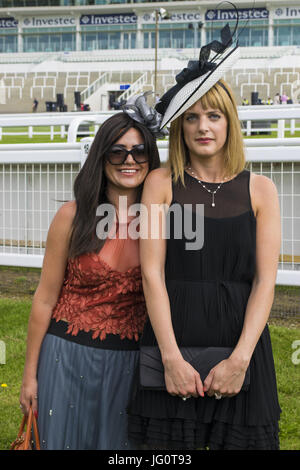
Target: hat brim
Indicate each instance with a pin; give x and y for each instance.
(194, 90)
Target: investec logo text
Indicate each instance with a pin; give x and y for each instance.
(242, 13)
(108, 19)
(38, 22)
(8, 23)
(287, 12)
(174, 17)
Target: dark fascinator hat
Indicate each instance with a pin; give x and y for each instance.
(139, 110)
(200, 75)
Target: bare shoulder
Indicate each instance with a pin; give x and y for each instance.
(263, 192)
(158, 185)
(68, 209)
(159, 175)
(263, 185)
(56, 254)
(63, 219)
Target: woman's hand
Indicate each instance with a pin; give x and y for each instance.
(225, 379)
(29, 396)
(182, 379)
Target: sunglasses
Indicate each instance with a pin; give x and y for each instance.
(118, 155)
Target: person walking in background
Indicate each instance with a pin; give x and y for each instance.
(88, 311)
(35, 105)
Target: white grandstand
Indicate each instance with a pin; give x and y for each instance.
(268, 71)
(104, 49)
(100, 50)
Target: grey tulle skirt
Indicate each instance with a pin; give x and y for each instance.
(82, 396)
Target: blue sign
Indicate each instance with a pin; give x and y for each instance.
(8, 23)
(242, 13)
(101, 20)
(124, 87)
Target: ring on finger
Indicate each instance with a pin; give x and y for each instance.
(185, 398)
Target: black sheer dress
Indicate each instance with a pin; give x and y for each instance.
(208, 291)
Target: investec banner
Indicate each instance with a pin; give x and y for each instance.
(101, 20)
(283, 13)
(8, 23)
(178, 17)
(48, 21)
(242, 13)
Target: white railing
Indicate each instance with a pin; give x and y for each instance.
(280, 114)
(136, 87)
(43, 89)
(49, 121)
(284, 118)
(34, 179)
(93, 87)
(10, 90)
(138, 54)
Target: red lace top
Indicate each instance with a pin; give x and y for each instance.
(103, 292)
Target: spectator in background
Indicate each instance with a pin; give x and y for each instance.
(284, 98)
(112, 99)
(269, 101)
(35, 105)
(245, 102)
(277, 99)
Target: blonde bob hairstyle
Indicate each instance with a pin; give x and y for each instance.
(234, 153)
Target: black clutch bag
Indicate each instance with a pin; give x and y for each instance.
(202, 359)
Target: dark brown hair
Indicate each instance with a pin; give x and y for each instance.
(90, 183)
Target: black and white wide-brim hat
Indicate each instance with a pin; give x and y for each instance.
(194, 81)
(194, 90)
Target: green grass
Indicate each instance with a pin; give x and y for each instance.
(38, 139)
(288, 385)
(13, 329)
(273, 134)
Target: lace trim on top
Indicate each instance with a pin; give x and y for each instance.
(97, 297)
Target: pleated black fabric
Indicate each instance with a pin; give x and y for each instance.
(208, 290)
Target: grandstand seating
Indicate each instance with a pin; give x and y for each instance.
(266, 70)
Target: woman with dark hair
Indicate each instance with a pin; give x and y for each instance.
(88, 311)
(207, 376)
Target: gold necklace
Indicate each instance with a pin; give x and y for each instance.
(213, 204)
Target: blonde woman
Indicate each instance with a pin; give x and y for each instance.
(219, 295)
